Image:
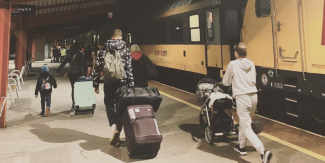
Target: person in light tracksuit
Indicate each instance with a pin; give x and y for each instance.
(241, 74)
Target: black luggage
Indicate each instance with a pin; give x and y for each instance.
(141, 131)
(138, 96)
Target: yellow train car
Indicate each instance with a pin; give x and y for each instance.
(189, 39)
(286, 41)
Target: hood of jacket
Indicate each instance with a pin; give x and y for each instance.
(115, 44)
(136, 55)
(245, 64)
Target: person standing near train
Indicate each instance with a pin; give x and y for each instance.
(241, 74)
(139, 67)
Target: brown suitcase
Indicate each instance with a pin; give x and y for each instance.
(141, 131)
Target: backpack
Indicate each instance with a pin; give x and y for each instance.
(113, 67)
(45, 84)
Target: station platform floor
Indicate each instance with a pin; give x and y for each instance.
(66, 138)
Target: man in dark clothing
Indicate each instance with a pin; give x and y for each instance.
(44, 86)
(55, 52)
(110, 88)
(76, 58)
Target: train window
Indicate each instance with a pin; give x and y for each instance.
(195, 28)
(210, 32)
(177, 30)
(263, 8)
(160, 34)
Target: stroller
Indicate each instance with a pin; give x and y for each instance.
(217, 120)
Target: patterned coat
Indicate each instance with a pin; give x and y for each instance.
(126, 60)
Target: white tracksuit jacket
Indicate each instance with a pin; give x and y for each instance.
(241, 74)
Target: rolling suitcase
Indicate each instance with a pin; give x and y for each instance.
(84, 96)
(141, 131)
(138, 96)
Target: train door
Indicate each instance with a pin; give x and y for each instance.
(290, 53)
(213, 43)
(287, 27)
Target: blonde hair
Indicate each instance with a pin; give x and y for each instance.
(241, 49)
(135, 48)
(117, 33)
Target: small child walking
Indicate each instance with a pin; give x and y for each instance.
(44, 86)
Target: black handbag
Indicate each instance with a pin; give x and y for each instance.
(137, 96)
(151, 68)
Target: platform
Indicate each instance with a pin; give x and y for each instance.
(66, 138)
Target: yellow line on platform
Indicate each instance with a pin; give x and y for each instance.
(290, 145)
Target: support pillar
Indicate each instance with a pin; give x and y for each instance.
(21, 44)
(5, 18)
(33, 50)
(29, 53)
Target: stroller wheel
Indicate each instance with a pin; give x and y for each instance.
(209, 135)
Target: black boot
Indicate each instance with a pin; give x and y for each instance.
(42, 113)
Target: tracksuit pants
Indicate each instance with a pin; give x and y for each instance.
(246, 106)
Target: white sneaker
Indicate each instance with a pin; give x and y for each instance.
(266, 158)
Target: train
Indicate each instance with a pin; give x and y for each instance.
(193, 39)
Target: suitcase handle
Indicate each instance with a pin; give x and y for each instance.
(144, 117)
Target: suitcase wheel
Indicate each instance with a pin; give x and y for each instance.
(92, 112)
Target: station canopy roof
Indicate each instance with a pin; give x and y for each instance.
(60, 19)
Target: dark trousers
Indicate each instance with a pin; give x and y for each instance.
(62, 58)
(73, 77)
(45, 97)
(110, 99)
(57, 58)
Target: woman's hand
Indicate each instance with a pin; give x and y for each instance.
(96, 90)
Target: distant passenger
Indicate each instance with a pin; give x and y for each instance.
(94, 53)
(88, 59)
(139, 67)
(242, 75)
(44, 86)
(114, 46)
(63, 53)
(59, 54)
(55, 52)
(76, 58)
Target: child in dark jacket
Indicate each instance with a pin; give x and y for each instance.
(44, 86)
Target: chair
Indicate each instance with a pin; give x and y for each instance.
(12, 85)
(15, 77)
(2, 104)
(20, 73)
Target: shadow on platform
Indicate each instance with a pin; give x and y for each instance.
(62, 135)
(219, 148)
